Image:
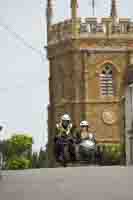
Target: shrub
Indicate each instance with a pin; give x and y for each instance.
(111, 153)
(18, 163)
(19, 144)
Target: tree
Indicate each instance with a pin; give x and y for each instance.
(42, 159)
(19, 144)
(17, 152)
(35, 160)
(18, 163)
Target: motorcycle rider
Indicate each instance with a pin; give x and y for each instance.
(65, 135)
(88, 141)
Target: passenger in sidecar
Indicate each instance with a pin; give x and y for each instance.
(87, 146)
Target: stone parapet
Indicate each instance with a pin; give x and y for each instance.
(91, 27)
(60, 31)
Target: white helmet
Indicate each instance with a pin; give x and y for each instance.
(65, 117)
(84, 123)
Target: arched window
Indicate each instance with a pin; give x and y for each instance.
(107, 81)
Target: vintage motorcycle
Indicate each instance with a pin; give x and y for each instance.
(84, 152)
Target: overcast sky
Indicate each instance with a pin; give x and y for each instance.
(24, 70)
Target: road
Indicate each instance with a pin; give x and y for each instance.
(95, 183)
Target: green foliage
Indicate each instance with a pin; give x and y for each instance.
(17, 152)
(42, 159)
(34, 160)
(111, 153)
(19, 144)
(16, 163)
(39, 161)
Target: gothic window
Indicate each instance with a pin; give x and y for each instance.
(107, 81)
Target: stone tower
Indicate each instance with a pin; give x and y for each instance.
(88, 61)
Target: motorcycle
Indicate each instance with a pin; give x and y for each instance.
(65, 151)
(69, 151)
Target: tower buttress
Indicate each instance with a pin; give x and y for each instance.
(113, 9)
(74, 6)
(113, 12)
(49, 14)
(113, 15)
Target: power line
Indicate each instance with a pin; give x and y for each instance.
(20, 38)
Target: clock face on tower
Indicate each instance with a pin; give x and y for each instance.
(109, 117)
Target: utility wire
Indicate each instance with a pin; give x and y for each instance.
(18, 37)
(21, 39)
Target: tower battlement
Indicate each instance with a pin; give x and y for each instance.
(60, 31)
(91, 28)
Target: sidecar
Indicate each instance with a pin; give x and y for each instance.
(87, 151)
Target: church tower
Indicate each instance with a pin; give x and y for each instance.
(87, 65)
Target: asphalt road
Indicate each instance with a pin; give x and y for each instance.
(91, 183)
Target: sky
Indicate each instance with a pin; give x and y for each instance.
(23, 64)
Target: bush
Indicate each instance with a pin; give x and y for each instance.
(34, 160)
(19, 144)
(18, 163)
(111, 153)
